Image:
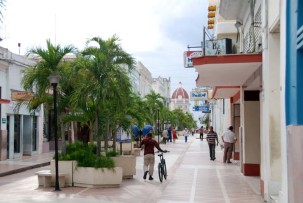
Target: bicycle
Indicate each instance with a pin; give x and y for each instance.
(162, 171)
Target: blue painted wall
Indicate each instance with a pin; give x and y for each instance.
(294, 62)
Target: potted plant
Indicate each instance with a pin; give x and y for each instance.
(88, 169)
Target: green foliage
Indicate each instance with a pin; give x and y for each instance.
(104, 162)
(85, 155)
(206, 120)
(112, 154)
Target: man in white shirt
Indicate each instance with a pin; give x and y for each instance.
(229, 138)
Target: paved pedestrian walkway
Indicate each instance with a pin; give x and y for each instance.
(192, 177)
(13, 166)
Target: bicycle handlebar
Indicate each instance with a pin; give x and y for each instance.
(162, 152)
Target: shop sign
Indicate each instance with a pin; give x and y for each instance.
(3, 120)
(205, 109)
(24, 96)
(188, 57)
(198, 95)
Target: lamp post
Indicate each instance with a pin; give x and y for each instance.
(158, 123)
(54, 80)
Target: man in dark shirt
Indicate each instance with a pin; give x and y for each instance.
(149, 155)
(169, 134)
(211, 139)
(201, 133)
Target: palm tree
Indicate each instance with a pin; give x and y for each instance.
(137, 111)
(178, 119)
(153, 101)
(35, 79)
(165, 116)
(105, 84)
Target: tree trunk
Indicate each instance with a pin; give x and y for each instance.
(72, 132)
(91, 139)
(106, 137)
(114, 132)
(98, 136)
(63, 147)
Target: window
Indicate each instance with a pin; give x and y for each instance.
(34, 134)
(17, 131)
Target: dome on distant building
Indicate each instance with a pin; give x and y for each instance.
(180, 93)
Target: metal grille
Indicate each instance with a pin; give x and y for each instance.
(258, 29)
(249, 42)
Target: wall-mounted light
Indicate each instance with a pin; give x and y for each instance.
(212, 8)
(211, 14)
(211, 21)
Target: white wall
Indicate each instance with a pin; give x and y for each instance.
(283, 195)
(274, 11)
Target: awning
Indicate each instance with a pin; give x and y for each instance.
(4, 101)
(227, 73)
(225, 91)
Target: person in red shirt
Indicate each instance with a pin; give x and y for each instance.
(174, 132)
(149, 155)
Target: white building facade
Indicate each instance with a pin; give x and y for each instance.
(162, 86)
(145, 80)
(21, 130)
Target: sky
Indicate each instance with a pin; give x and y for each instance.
(155, 32)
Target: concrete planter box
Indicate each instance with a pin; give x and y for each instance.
(67, 167)
(101, 177)
(127, 163)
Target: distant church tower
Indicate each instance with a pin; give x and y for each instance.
(180, 99)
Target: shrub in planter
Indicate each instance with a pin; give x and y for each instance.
(91, 170)
(112, 154)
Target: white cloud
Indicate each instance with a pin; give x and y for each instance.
(154, 31)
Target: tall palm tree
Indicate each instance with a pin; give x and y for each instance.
(35, 79)
(154, 101)
(179, 118)
(101, 63)
(137, 111)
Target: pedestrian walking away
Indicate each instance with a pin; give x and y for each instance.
(201, 133)
(169, 134)
(228, 138)
(186, 132)
(165, 135)
(212, 137)
(149, 155)
(174, 132)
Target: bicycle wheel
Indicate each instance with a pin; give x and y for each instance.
(164, 170)
(160, 172)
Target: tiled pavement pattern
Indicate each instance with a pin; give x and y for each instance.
(192, 177)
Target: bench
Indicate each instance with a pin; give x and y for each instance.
(45, 178)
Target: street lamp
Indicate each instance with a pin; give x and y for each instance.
(158, 123)
(54, 80)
